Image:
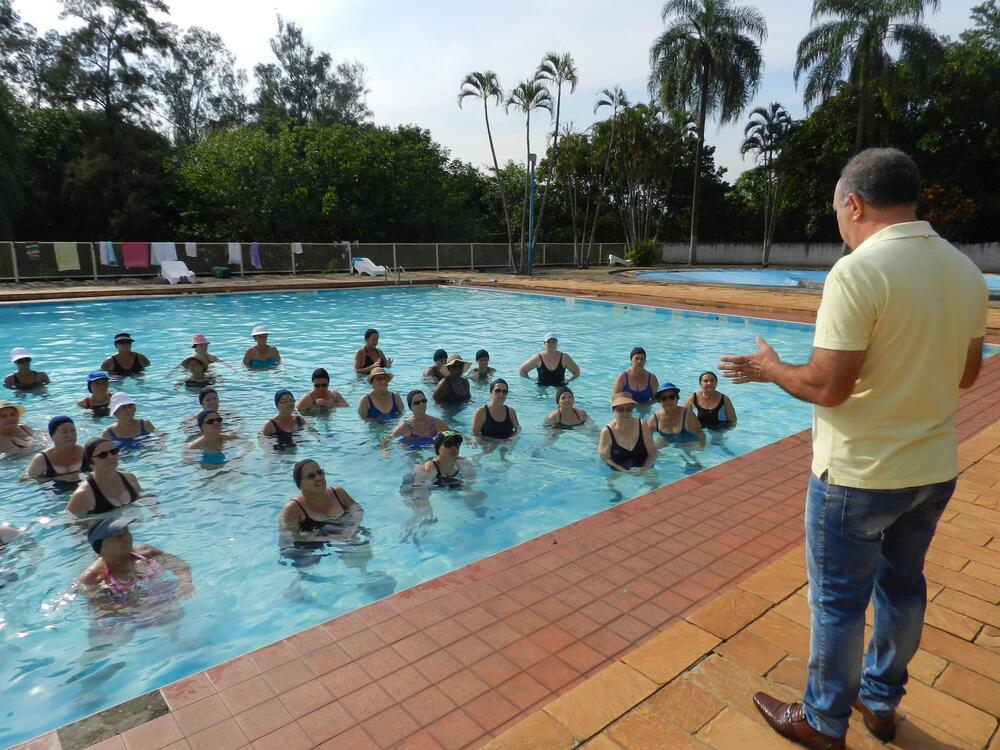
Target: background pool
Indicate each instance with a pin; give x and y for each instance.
(223, 520)
(760, 277)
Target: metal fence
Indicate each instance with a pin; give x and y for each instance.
(28, 261)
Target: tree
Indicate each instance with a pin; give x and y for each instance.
(526, 97)
(304, 86)
(707, 60)
(855, 38)
(11, 194)
(485, 86)
(616, 99)
(765, 135)
(987, 30)
(557, 69)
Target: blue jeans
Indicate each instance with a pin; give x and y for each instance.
(861, 545)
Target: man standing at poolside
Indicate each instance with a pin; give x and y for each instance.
(899, 330)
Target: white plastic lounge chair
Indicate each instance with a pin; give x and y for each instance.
(365, 266)
(614, 260)
(175, 271)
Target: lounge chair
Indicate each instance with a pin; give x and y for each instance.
(176, 271)
(614, 260)
(365, 266)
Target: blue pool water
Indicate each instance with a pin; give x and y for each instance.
(759, 277)
(58, 666)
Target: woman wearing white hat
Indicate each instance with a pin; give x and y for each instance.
(260, 355)
(14, 436)
(625, 430)
(551, 364)
(453, 389)
(127, 429)
(380, 403)
(25, 378)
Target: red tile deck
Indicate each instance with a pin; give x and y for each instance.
(455, 661)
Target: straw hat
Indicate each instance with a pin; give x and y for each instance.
(10, 405)
(455, 359)
(379, 371)
(622, 399)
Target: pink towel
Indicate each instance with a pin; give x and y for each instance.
(136, 254)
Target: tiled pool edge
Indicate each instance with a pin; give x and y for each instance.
(517, 606)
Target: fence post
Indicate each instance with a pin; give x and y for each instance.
(472, 257)
(543, 253)
(13, 258)
(600, 253)
(291, 251)
(437, 257)
(395, 263)
(93, 260)
(350, 259)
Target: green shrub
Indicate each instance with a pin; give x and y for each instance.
(645, 253)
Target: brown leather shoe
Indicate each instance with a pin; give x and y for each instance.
(788, 720)
(882, 726)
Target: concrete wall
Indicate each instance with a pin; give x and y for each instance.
(986, 256)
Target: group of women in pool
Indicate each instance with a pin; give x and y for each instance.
(321, 512)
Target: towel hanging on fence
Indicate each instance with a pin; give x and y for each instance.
(255, 255)
(33, 251)
(236, 254)
(107, 253)
(190, 249)
(161, 251)
(67, 257)
(297, 248)
(135, 254)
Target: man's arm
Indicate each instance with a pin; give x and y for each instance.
(973, 361)
(827, 379)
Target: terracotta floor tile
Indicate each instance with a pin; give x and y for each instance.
(394, 629)
(421, 740)
(289, 737)
(353, 739)
(446, 632)
(502, 606)
(247, 694)
(264, 719)
(651, 614)
(553, 673)
(272, 656)
(366, 702)
(428, 706)
(153, 735)
(346, 680)
(437, 666)
(474, 619)
(378, 612)
(305, 698)
(361, 644)
(425, 615)
(463, 686)
(600, 612)
(403, 683)
(581, 657)
(490, 710)
(455, 730)
(524, 652)
(552, 638)
(390, 727)
(198, 716)
(187, 691)
(288, 676)
(382, 662)
(345, 626)
(498, 635)
(523, 690)
(526, 621)
(469, 650)
(232, 673)
(578, 624)
(606, 642)
(309, 640)
(326, 722)
(527, 595)
(495, 669)
(629, 628)
(415, 647)
(226, 735)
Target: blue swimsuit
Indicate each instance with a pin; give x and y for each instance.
(262, 363)
(641, 397)
(129, 442)
(678, 437)
(374, 413)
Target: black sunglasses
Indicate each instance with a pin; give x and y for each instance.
(418, 401)
(213, 420)
(668, 397)
(108, 452)
(314, 474)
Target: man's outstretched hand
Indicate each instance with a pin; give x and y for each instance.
(751, 368)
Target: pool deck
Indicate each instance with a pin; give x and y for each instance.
(646, 625)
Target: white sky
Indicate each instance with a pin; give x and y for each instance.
(417, 53)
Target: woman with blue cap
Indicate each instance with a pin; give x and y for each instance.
(99, 400)
(551, 365)
(14, 436)
(105, 488)
(212, 440)
(675, 424)
(65, 459)
(25, 379)
(286, 422)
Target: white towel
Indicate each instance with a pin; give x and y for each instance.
(107, 254)
(161, 251)
(191, 249)
(236, 254)
(297, 248)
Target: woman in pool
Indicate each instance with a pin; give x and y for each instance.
(200, 343)
(714, 409)
(14, 436)
(24, 379)
(105, 488)
(496, 420)
(369, 356)
(566, 414)
(261, 355)
(127, 574)
(65, 459)
(636, 381)
(212, 440)
(482, 370)
(676, 424)
(286, 422)
(447, 469)
(551, 365)
(197, 373)
(99, 400)
(321, 396)
(437, 370)
(625, 430)
(453, 389)
(127, 429)
(320, 512)
(125, 362)
(380, 403)
(420, 429)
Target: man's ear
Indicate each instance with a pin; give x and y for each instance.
(857, 207)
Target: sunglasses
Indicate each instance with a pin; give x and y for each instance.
(109, 452)
(418, 401)
(213, 420)
(314, 474)
(320, 385)
(668, 397)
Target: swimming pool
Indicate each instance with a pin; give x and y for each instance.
(223, 519)
(760, 277)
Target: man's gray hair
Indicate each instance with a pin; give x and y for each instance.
(882, 177)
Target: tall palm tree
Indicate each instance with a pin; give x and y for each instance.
(616, 99)
(526, 97)
(557, 70)
(764, 134)
(485, 86)
(855, 38)
(707, 60)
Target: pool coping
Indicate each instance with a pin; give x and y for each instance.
(491, 580)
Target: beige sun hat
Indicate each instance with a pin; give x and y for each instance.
(11, 405)
(622, 399)
(379, 371)
(454, 359)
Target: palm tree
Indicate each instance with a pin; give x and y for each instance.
(616, 99)
(764, 134)
(485, 86)
(708, 60)
(556, 69)
(855, 38)
(527, 97)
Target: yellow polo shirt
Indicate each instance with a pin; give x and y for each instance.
(912, 302)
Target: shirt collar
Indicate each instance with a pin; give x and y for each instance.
(899, 231)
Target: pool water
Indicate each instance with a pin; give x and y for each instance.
(62, 662)
(760, 277)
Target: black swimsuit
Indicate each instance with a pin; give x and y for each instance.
(453, 396)
(50, 470)
(560, 425)
(451, 481)
(309, 524)
(495, 429)
(368, 360)
(628, 458)
(555, 376)
(101, 502)
(17, 385)
(283, 437)
(117, 368)
(709, 418)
